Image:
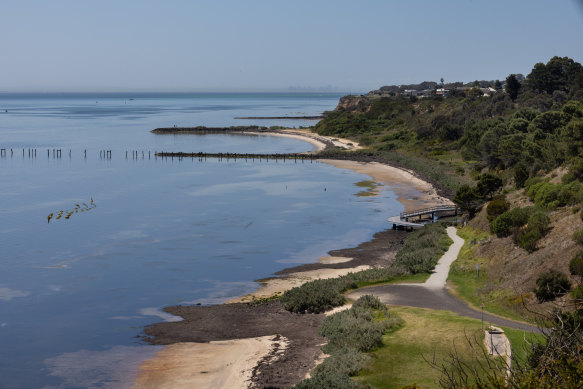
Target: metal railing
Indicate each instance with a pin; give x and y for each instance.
(439, 208)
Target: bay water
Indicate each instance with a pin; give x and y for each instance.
(137, 233)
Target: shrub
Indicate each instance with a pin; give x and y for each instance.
(335, 371)
(510, 221)
(527, 239)
(548, 195)
(576, 265)
(578, 236)
(314, 297)
(352, 328)
(320, 295)
(536, 228)
(577, 293)
(370, 302)
(422, 249)
(497, 207)
(571, 193)
(349, 332)
(360, 327)
(539, 221)
(520, 175)
(551, 285)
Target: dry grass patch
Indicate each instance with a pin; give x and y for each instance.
(425, 334)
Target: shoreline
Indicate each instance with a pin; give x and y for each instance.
(264, 357)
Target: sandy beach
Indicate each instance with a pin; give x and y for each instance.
(219, 364)
(243, 356)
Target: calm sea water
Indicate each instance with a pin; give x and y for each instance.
(75, 293)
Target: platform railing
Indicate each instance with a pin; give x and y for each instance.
(438, 208)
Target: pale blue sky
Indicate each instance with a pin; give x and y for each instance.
(258, 45)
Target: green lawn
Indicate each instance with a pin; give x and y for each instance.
(408, 278)
(430, 334)
(463, 277)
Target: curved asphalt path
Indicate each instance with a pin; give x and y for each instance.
(433, 294)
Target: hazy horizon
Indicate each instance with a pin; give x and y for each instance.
(266, 46)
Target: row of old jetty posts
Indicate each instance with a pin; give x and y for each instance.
(418, 217)
(32, 153)
(141, 154)
(405, 221)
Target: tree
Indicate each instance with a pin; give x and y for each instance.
(498, 85)
(551, 285)
(488, 185)
(467, 198)
(512, 86)
(562, 74)
(520, 174)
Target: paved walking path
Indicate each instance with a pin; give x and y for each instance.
(433, 294)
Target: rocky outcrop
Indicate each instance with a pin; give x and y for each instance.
(352, 103)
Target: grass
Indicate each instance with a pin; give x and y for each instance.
(425, 333)
(409, 278)
(467, 286)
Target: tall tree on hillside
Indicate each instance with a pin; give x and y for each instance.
(488, 185)
(512, 86)
(562, 74)
(468, 200)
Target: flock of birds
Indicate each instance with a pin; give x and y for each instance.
(83, 207)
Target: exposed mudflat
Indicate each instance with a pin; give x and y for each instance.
(236, 321)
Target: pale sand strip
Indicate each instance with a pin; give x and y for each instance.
(276, 286)
(309, 139)
(214, 365)
(312, 138)
(411, 191)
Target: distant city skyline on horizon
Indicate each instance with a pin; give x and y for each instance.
(266, 46)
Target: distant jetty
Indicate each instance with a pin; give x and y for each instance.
(282, 117)
(209, 130)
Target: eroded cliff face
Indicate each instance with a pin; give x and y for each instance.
(353, 103)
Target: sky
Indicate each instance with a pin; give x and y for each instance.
(272, 45)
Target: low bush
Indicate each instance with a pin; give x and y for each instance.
(353, 328)
(528, 238)
(576, 265)
(320, 295)
(349, 333)
(422, 249)
(577, 294)
(335, 371)
(551, 285)
(370, 302)
(510, 221)
(578, 236)
(548, 195)
(497, 207)
(536, 228)
(314, 297)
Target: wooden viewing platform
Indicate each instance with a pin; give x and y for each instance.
(422, 215)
